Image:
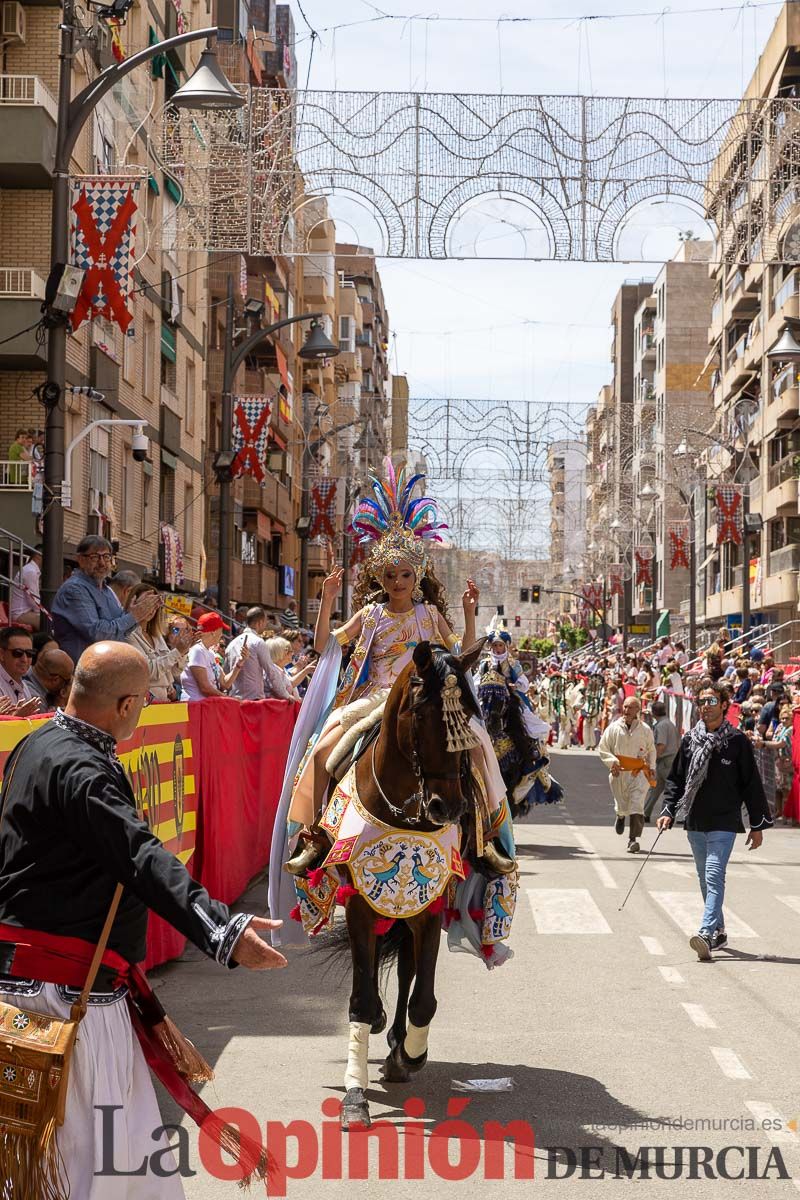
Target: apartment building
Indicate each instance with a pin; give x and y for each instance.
(155, 375)
(670, 399)
(506, 589)
(755, 199)
(566, 467)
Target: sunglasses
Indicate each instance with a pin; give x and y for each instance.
(15, 653)
(98, 557)
(708, 701)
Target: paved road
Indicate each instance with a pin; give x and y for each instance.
(613, 1033)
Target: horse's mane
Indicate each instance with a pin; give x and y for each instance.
(443, 663)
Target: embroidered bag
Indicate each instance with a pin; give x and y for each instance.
(35, 1055)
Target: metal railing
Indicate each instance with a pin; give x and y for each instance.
(28, 90)
(16, 476)
(21, 283)
(785, 469)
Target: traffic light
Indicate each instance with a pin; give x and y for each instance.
(517, 621)
(536, 594)
(501, 612)
(523, 595)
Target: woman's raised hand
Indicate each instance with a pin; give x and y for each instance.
(471, 596)
(332, 583)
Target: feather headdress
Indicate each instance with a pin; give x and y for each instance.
(398, 523)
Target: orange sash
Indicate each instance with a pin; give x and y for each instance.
(636, 765)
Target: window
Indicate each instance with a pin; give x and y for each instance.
(187, 522)
(191, 397)
(129, 472)
(147, 493)
(347, 335)
(166, 495)
(129, 351)
(169, 375)
(98, 454)
(150, 350)
(191, 283)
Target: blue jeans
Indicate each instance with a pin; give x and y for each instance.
(711, 853)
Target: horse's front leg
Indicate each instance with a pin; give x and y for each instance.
(364, 1007)
(411, 1054)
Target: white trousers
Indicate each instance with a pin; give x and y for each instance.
(108, 1068)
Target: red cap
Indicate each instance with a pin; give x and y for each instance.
(209, 622)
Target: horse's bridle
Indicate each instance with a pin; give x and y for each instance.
(422, 794)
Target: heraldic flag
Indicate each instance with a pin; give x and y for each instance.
(102, 243)
(251, 416)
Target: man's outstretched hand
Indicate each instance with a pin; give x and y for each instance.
(253, 952)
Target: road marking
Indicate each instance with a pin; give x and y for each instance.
(686, 908)
(671, 975)
(606, 878)
(566, 910)
(792, 902)
(777, 1130)
(652, 945)
(762, 873)
(698, 1016)
(729, 1063)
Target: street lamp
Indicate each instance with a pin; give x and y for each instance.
(212, 90)
(233, 357)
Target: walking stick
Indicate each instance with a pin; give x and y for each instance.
(641, 868)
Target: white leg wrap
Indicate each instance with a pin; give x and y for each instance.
(416, 1042)
(357, 1073)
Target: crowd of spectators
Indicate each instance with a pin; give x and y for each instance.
(250, 657)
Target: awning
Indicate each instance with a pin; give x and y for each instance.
(662, 625)
(709, 362)
(707, 560)
(172, 189)
(152, 183)
(168, 349)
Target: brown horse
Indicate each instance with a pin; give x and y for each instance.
(409, 780)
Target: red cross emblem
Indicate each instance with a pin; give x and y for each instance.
(247, 461)
(728, 520)
(100, 278)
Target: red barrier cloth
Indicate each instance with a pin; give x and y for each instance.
(791, 805)
(240, 753)
(629, 689)
(734, 714)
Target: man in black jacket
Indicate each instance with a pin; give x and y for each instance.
(713, 775)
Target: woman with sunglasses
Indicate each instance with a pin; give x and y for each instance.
(713, 775)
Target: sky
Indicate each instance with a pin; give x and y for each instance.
(524, 330)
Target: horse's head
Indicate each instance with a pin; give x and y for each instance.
(433, 731)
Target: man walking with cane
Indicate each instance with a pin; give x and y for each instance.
(713, 775)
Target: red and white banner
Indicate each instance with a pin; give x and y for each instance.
(323, 508)
(251, 416)
(615, 580)
(102, 242)
(644, 566)
(678, 545)
(729, 514)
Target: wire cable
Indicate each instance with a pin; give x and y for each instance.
(20, 332)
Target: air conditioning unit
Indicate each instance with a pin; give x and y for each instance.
(13, 21)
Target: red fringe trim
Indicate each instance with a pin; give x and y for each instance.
(477, 914)
(344, 893)
(316, 876)
(436, 905)
(450, 915)
(467, 868)
(383, 924)
(294, 915)
(487, 951)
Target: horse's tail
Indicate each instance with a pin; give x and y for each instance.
(333, 946)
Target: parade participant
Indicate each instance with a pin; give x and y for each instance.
(628, 750)
(713, 775)
(568, 717)
(500, 661)
(591, 710)
(400, 603)
(667, 740)
(70, 843)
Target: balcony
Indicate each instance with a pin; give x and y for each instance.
(785, 559)
(781, 496)
(318, 557)
(170, 401)
(259, 584)
(648, 344)
(262, 497)
(785, 299)
(21, 295)
(15, 476)
(283, 510)
(29, 115)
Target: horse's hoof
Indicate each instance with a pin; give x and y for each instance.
(355, 1110)
(393, 1070)
(380, 1022)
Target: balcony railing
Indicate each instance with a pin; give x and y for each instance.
(785, 380)
(736, 351)
(16, 476)
(785, 559)
(737, 279)
(787, 468)
(21, 283)
(716, 310)
(787, 290)
(29, 90)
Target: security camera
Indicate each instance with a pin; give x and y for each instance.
(140, 445)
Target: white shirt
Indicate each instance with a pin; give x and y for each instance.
(249, 683)
(25, 597)
(665, 655)
(12, 690)
(199, 656)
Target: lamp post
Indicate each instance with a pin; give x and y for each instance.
(207, 88)
(233, 357)
(650, 495)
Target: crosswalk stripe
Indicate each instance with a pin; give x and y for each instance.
(686, 908)
(762, 873)
(606, 878)
(566, 910)
(671, 975)
(773, 1125)
(792, 902)
(729, 1063)
(698, 1016)
(652, 945)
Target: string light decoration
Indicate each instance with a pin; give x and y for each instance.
(415, 163)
